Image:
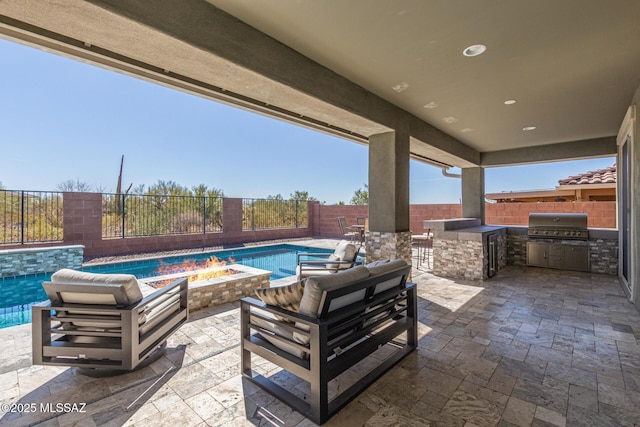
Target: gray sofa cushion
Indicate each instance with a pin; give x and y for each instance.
(128, 282)
(316, 285)
(386, 267)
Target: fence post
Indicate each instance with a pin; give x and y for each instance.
(297, 213)
(204, 215)
(123, 233)
(253, 214)
(22, 217)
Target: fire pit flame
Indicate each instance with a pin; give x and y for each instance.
(202, 270)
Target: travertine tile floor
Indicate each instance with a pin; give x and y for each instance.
(527, 347)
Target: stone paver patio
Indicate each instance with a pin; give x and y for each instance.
(527, 347)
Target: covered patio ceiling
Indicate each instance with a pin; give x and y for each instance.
(356, 68)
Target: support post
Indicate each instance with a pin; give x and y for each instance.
(473, 193)
(389, 235)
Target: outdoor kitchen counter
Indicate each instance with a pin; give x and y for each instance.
(461, 229)
(464, 248)
(450, 224)
(478, 233)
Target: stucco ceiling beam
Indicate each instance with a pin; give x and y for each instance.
(573, 150)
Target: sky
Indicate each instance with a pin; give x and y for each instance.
(62, 119)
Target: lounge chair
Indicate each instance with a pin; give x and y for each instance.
(102, 324)
(344, 256)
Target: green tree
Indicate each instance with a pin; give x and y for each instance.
(302, 195)
(165, 207)
(361, 196)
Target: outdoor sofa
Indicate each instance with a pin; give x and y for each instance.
(340, 320)
(102, 324)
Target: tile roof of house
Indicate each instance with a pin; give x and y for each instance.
(601, 176)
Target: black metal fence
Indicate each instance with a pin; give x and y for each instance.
(30, 216)
(260, 214)
(152, 215)
(37, 216)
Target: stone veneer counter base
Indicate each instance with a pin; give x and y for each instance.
(464, 253)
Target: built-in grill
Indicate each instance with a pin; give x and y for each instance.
(558, 226)
(558, 241)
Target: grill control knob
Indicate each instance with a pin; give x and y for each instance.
(556, 232)
(545, 232)
(567, 233)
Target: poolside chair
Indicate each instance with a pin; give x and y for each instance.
(102, 324)
(350, 232)
(312, 264)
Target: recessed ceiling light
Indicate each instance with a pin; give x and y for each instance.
(475, 50)
(510, 101)
(400, 86)
(466, 130)
(449, 119)
(528, 128)
(431, 105)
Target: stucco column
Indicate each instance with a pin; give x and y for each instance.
(473, 193)
(389, 235)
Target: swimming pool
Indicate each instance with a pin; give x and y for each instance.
(20, 293)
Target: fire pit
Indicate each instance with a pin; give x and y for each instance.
(211, 286)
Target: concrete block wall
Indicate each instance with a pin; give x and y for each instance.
(600, 214)
(419, 213)
(83, 225)
(326, 225)
(82, 217)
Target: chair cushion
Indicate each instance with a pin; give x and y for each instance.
(378, 262)
(316, 285)
(128, 282)
(287, 297)
(345, 252)
(333, 267)
(385, 266)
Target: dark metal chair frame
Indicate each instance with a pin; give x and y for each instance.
(124, 345)
(311, 263)
(347, 231)
(359, 329)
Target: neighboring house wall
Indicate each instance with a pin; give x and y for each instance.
(598, 185)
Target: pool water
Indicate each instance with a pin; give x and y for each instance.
(20, 293)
